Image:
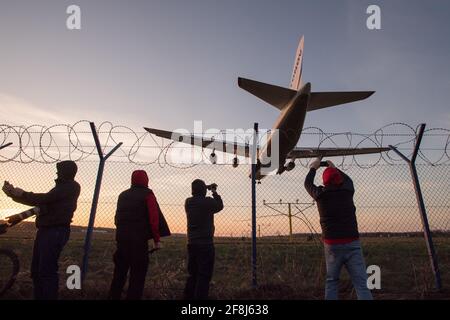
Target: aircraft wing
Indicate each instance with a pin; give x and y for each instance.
(191, 139)
(300, 153)
(239, 149)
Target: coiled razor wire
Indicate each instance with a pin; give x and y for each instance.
(50, 144)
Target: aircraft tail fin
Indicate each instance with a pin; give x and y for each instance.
(296, 79)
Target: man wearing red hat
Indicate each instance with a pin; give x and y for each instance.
(339, 229)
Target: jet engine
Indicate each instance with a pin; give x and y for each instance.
(235, 162)
(213, 157)
(290, 166)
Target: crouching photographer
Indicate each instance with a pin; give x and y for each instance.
(200, 211)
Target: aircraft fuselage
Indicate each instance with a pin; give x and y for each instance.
(289, 125)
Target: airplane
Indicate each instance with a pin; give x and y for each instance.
(293, 103)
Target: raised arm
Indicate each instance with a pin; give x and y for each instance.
(311, 188)
(216, 202)
(37, 199)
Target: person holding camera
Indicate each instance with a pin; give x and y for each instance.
(339, 228)
(54, 212)
(200, 211)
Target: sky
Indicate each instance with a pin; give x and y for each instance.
(166, 64)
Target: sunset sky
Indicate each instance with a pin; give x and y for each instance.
(139, 63)
(165, 64)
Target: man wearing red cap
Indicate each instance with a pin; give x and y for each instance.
(137, 221)
(339, 229)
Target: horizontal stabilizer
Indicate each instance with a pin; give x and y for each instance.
(321, 100)
(300, 153)
(274, 95)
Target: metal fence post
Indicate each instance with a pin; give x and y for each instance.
(254, 164)
(98, 182)
(423, 214)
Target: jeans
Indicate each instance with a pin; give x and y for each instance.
(350, 255)
(48, 245)
(200, 267)
(131, 255)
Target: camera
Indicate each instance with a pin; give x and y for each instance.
(323, 163)
(212, 187)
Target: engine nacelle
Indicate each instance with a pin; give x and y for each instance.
(213, 158)
(235, 162)
(290, 166)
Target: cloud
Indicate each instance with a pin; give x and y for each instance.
(18, 111)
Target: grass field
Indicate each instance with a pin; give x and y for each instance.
(286, 269)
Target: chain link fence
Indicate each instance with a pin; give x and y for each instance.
(288, 225)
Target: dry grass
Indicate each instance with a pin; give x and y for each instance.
(286, 270)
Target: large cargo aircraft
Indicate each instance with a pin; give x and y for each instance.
(293, 103)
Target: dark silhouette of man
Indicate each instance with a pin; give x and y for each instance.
(137, 221)
(200, 211)
(339, 229)
(53, 220)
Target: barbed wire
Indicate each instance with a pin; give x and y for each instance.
(50, 144)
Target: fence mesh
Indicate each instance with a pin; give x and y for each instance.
(287, 217)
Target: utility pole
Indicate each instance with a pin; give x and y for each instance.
(290, 220)
(290, 215)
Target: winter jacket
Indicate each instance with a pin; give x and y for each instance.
(336, 208)
(57, 206)
(200, 212)
(138, 213)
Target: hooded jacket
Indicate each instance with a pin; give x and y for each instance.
(200, 212)
(58, 205)
(336, 208)
(137, 213)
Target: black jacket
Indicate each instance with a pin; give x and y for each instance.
(336, 208)
(132, 216)
(138, 215)
(200, 212)
(57, 206)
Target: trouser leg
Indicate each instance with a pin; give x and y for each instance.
(356, 267)
(334, 262)
(138, 269)
(50, 244)
(37, 292)
(121, 266)
(191, 281)
(205, 269)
